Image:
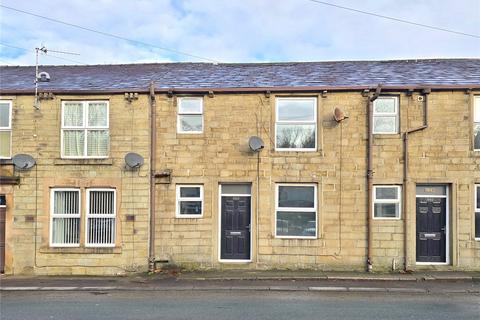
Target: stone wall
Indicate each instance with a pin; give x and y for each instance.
(37, 132)
(440, 154)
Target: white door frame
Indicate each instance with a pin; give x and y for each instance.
(447, 224)
(220, 222)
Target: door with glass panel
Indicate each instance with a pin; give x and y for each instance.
(235, 220)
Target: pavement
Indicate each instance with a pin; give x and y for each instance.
(244, 280)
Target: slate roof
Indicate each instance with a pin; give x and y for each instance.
(336, 74)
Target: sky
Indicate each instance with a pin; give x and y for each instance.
(236, 30)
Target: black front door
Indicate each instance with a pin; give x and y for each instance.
(431, 229)
(235, 228)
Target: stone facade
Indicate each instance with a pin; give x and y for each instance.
(37, 132)
(440, 154)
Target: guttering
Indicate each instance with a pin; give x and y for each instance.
(153, 159)
(417, 87)
(372, 97)
(405, 173)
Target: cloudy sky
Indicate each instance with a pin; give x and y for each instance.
(236, 30)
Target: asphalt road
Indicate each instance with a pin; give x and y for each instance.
(242, 304)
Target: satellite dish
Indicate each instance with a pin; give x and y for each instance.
(133, 160)
(339, 115)
(256, 143)
(23, 161)
(43, 77)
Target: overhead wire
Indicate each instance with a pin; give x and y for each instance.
(395, 19)
(107, 34)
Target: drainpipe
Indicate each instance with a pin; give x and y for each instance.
(405, 173)
(153, 157)
(370, 174)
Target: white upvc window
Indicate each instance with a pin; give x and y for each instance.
(296, 124)
(476, 123)
(385, 115)
(65, 217)
(100, 228)
(189, 201)
(190, 115)
(386, 202)
(85, 129)
(477, 212)
(296, 211)
(5, 129)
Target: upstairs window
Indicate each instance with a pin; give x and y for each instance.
(477, 212)
(296, 124)
(85, 129)
(190, 115)
(296, 211)
(386, 202)
(5, 129)
(476, 123)
(189, 201)
(385, 115)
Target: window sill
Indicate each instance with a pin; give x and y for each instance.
(296, 238)
(387, 135)
(80, 250)
(190, 135)
(9, 160)
(79, 161)
(295, 153)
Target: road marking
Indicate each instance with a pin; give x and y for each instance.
(407, 290)
(327, 288)
(58, 288)
(365, 289)
(18, 288)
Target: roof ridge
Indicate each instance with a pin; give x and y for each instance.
(273, 63)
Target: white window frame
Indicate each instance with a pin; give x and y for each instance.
(88, 215)
(54, 215)
(395, 114)
(179, 199)
(297, 209)
(477, 210)
(8, 128)
(181, 113)
(476, 117)
(314, 122)
(85, 128)
(390, 201)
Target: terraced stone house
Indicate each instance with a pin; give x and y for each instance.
(349, 165)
